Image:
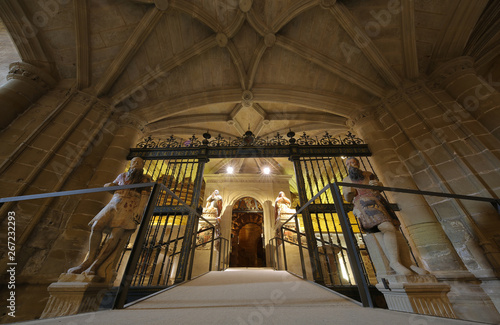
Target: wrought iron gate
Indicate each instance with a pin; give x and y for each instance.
(164, 249)
(169, 234)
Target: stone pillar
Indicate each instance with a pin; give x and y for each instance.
(26, 84)
(430, 243)
(475, 95)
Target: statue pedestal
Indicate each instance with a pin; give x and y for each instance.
(73, 294)
(280, 221)
(421, 294)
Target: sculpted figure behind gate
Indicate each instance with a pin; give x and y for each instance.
(119, 218)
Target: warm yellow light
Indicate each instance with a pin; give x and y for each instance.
(230, 170)
(266, 170)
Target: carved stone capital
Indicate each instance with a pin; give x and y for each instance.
(161, 4)
(360, 117)
(414, 89)
(327, 4)
(394, 98)
(31, 74)
(104, 107)
(247, 98)
(269, 39)
(84, 99)
(127, 119)
(245, 5)
(221, 39)
(449, 71)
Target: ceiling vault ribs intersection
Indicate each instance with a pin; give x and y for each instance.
(223, 38)
(230, 65)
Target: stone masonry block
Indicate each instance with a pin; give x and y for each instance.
(59, 164)
(13, 135)
(409, 121)
(65, 117)
(27, 209)
(491, 119)
(392, 130)
(493, 180)
(445, 210)
(416, 130)
(451, 170)
(79, 138)
(46, 179)
(387, 121)
(400, 139)
(55, 129)
(462, 148)
(481, 162)
(8, 188)
(415, 164)
(441, 121)
(423, 179)
(6, 150)
(462, 86)
(44, 142)
(102, 177)
(432, 112)
(401, 110)
(406, 150)
(119, 153)
(462, 186)
(439, 155)
(17, 173)
(31, 156)
(489, 141)
(81, 175)
(426, 141)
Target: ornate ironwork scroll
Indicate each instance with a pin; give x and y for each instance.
(248, 139)
(251, 146)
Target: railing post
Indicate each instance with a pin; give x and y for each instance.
(352, 250)
(212, 244)
(308, 225)
(184, 266)
(121, 295)
(299, 241)
(283, 246)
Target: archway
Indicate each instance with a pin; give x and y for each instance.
(247, 233)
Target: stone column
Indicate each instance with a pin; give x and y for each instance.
(26, 84)
(431, 244)
(474, 94)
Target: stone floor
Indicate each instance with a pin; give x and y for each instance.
(248, 296)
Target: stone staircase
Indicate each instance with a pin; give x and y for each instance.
(248, 296)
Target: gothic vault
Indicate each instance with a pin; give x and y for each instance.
(418, 80)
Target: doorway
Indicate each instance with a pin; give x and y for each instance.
(247, 234)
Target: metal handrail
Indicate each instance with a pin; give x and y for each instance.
(73, 192)
(494, 201)
(357, 266)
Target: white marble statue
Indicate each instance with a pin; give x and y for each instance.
(119, 217)
(282, 206)
(371, 210)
